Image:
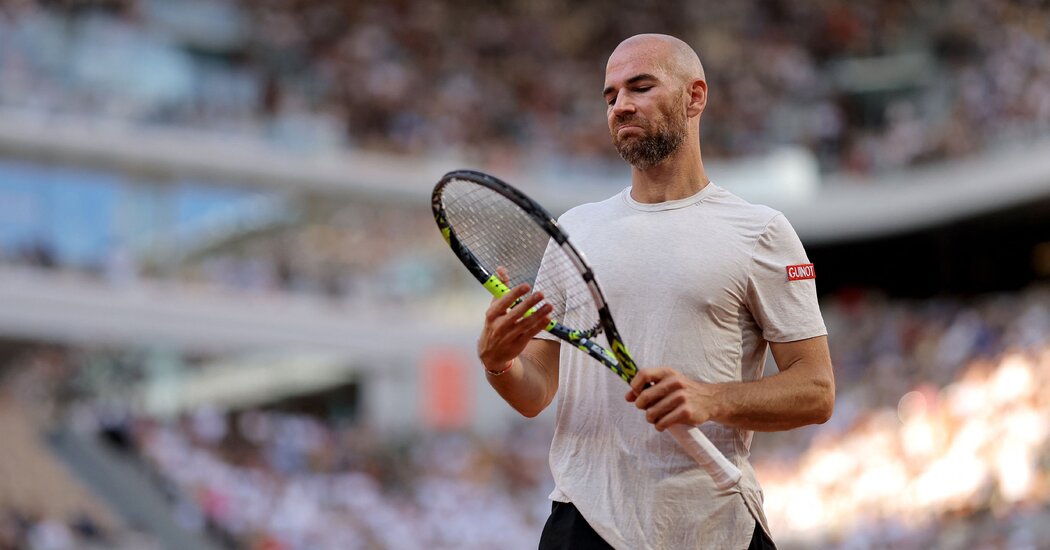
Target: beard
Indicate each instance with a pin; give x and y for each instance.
(660, 140)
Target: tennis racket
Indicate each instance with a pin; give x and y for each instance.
(489, 224)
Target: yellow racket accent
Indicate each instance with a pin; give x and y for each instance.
(497, 288)
(626, 361)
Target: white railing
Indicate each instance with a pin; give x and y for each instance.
(835, 208)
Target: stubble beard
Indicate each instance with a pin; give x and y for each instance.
(655, 146)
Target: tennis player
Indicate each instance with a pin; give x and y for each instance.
(702, 283)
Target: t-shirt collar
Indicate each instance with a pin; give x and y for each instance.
(667, 205)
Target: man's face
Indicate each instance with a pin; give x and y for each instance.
(646, 109)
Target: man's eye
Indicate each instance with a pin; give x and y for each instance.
(643, 89)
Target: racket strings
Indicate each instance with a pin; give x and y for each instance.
(500, 233)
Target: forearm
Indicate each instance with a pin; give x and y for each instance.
(532, 381)
(798, 396)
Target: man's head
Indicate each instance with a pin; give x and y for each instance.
(656, 91)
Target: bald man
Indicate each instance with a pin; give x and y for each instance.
(703, 284)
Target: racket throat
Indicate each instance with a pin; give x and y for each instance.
(598, 352)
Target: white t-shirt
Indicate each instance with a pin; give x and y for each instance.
(698, 284)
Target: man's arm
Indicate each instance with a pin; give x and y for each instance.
(530, 384)
(802, 393)
(528, 367)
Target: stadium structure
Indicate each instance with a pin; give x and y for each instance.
(214, 338)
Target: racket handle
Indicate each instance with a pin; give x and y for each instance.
(721, 470)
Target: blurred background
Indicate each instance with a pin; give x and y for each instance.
(228, 321)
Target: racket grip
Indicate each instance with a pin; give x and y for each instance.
(721, 470)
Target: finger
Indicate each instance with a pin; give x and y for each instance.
(530, 326)
(679, 415)
(534, 328)
(499, 306)
(518, 312)
(659, 409)
(650, 377)
(651, 394)
(514, 323)
(645, 378)
(501, 272)
(538, 320)
(630, 396)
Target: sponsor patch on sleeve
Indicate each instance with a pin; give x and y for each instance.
(800, 272)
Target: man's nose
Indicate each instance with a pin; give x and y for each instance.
(622, 105)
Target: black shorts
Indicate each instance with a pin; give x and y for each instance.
(567, 530)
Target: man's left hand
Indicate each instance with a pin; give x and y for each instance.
(668, 397)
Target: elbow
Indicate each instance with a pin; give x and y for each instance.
(532, 409)
(530, 412)
(825, 403)
(823, 414)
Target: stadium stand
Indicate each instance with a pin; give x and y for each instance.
(940, 435)
(42, 504)
(868, 87)
(194, 195)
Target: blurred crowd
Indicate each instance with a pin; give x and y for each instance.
(22, 531)
(941, 433)
(43, 506)
(357, 253)
(882, 347)
(867, 86)
(289, 481)
(969, 461)
(345, 264)
(940, 436)
(940, 439)
(242, 240)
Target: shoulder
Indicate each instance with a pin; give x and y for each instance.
(592, 211)
(737, 208)
(747, 221)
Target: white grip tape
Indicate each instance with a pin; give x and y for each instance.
(723, 472)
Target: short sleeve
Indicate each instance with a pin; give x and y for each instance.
(782, 290)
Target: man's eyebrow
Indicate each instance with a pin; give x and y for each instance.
(633, 80)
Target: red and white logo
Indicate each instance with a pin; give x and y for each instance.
(800, 272)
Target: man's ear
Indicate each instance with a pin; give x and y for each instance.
(697, 97)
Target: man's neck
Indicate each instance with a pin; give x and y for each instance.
(681, 175)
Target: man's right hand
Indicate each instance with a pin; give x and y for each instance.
(508, 331)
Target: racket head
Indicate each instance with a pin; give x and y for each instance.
(489, 224)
